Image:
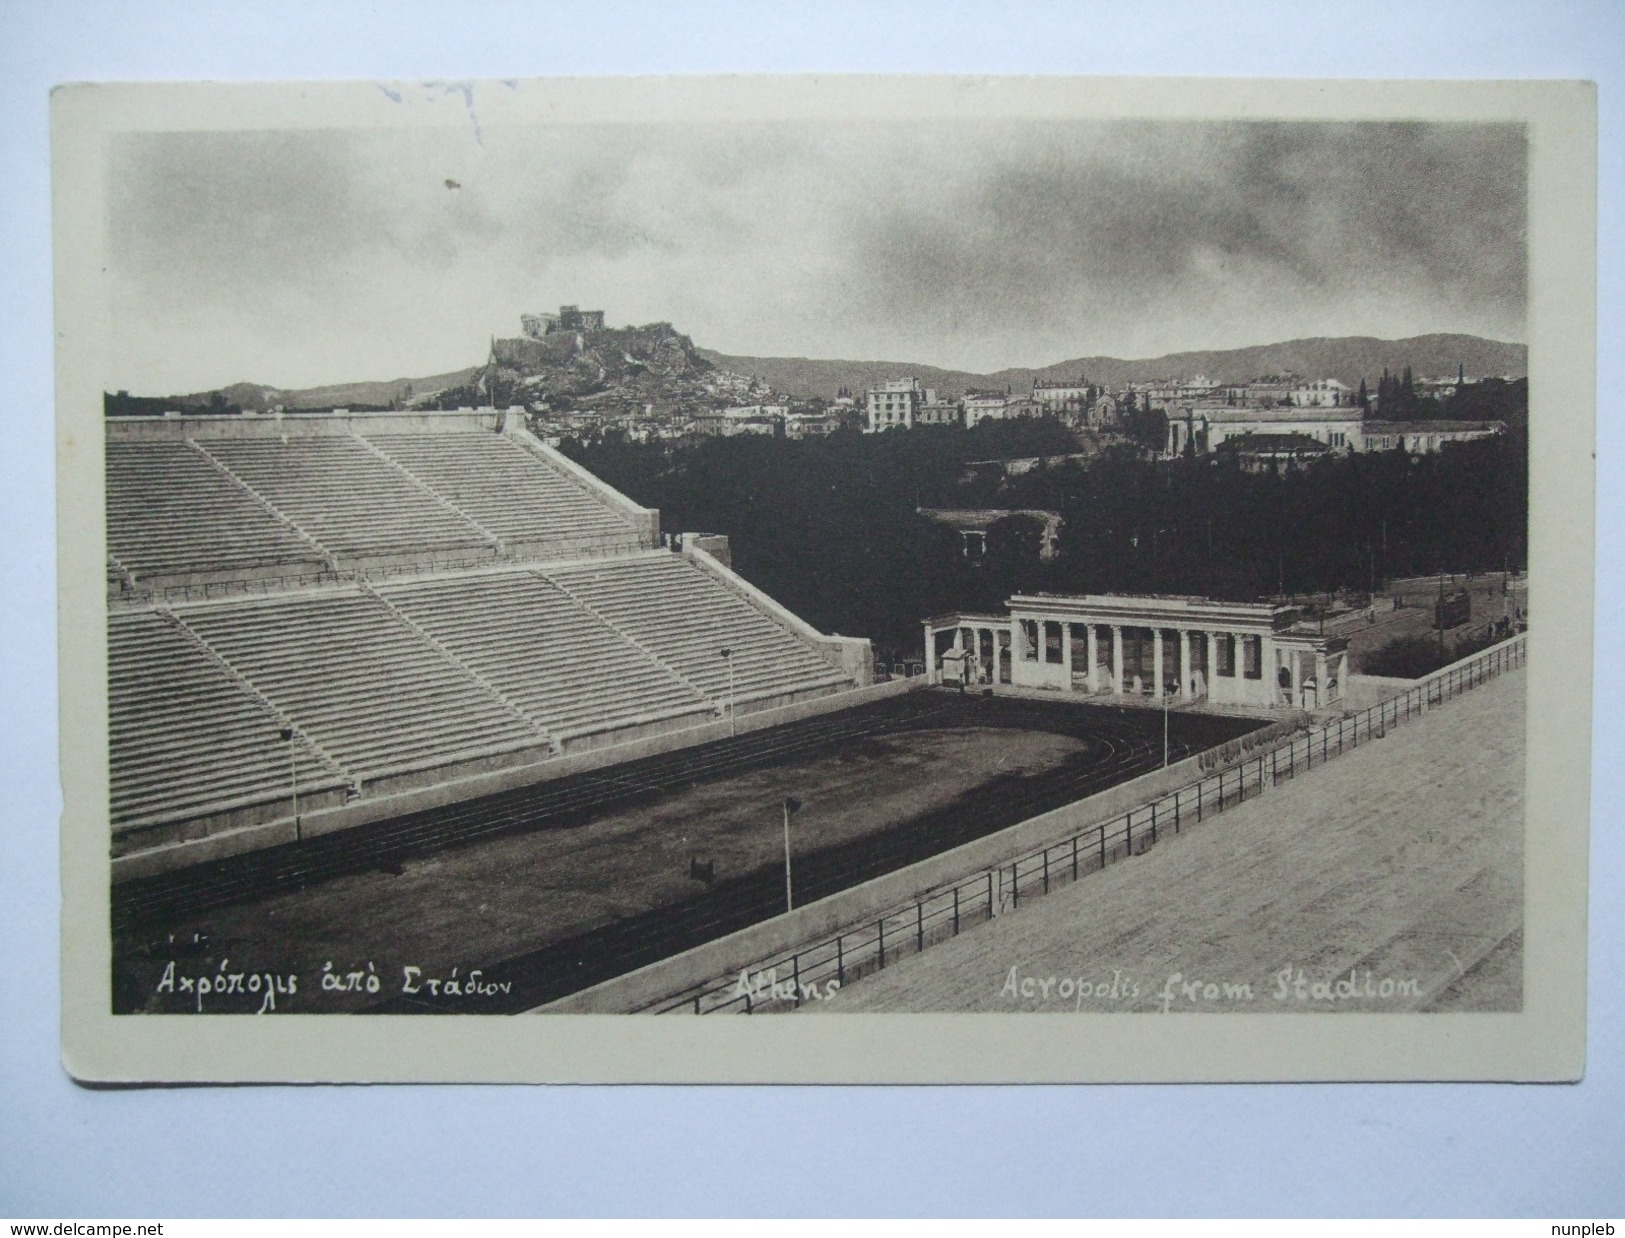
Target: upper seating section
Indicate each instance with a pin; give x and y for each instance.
(545, 652)
(170, 512)
(206, 505)
(509, 491)
(686, 617)
(353, 503)
(365, 687)
(184, 736)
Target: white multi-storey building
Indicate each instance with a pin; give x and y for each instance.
(984, 406)
(1322, 393)
(894, 405)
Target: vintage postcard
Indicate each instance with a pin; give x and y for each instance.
(825, 579)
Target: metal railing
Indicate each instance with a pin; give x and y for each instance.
(522, 555)
(143, 594)
(790, 979)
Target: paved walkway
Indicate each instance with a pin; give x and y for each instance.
(1389, 879)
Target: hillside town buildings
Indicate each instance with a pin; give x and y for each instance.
(1276, 420)
(645, 383)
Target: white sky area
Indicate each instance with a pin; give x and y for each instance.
(302, 258)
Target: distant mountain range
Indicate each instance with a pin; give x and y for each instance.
(256, 397)
(1347, 358)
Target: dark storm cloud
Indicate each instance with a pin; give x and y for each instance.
(317, 256)
(1093, 224)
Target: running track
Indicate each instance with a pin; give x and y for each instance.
(1121, 744)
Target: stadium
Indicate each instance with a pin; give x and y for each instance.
(417, 698)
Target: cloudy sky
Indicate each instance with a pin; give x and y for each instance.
(301, 258)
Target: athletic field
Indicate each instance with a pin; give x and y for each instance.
(1389, 879)
(551, 888)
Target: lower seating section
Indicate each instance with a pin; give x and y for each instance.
(172, 513)
(344, 496)
(185, 736)
(514, 494)
(545, 652)
(686, 617)
(368, 690)
(429, 672)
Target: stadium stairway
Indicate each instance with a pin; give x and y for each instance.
(495, 482)
(685, 617)
(352, 502)
(171, 512)
(556, 659)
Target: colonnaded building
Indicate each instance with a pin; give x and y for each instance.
(316, 621)
(1245, 654)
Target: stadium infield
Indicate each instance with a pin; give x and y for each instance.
(549, 889)
(1401, 862)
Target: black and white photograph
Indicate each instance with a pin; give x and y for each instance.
(802, 548)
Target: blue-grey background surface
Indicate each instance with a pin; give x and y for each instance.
(1300, 1150)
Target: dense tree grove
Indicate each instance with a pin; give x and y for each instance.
(1411, 657)
(830, 528)
(1491, 399)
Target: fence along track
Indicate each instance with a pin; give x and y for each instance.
(785, 981)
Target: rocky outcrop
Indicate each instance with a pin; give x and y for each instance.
(615, 369)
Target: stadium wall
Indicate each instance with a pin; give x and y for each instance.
(270, 825)
(298, 425)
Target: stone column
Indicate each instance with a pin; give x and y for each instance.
(1066, 655)
(1184, 662)
(1117, 659)
(1320, 677)
(1212, 670)
(930, 654)
(1092, 652)
(1156, 662)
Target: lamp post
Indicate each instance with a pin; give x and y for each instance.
(293, 778)
(728, 656)
(1164, 726)
(1438, 617)
(791, 804)
(1372, 551)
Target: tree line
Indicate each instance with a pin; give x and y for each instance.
(830, 527)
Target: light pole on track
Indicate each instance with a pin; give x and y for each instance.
(293, 779)
(1165, 727)
(791, 804)
(728, 655)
